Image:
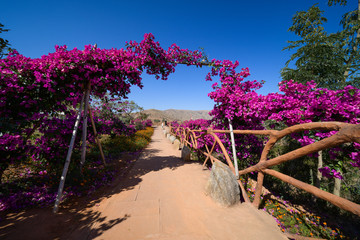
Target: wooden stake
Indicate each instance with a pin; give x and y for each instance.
(68, 158)
(97, 137)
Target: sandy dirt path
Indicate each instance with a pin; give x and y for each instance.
(161, 197)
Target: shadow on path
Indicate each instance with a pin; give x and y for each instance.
(80, 215)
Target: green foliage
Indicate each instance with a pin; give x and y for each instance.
(143, 116)
(4, 44)
(330, 59)
(116, 145)
(139, 125)
(341, 2)
(129, 110)
(125, 111)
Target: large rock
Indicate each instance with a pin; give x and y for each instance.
(222, 185)
(177, 144)
(172, 138)
(186, 153)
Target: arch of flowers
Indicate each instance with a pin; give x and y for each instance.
(42, 94)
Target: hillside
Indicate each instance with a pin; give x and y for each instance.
(174, 114)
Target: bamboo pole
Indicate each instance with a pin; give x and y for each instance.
(97, 137)
(84, 132)
(233, 149)
(68, 158)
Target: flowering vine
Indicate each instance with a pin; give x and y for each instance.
(41, 93)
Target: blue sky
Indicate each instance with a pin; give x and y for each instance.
(252, 32)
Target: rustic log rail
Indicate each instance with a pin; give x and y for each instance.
(347, 133)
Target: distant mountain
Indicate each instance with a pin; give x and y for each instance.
(174, 114)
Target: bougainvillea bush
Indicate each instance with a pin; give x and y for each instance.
(236, 99)
(199, 124)
(37, 94)
(39, 98)
(27, 186)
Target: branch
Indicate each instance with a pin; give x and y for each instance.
(202, 64)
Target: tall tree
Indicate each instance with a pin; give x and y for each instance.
(4, 44)
(330, 59)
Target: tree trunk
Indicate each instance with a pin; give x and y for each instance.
(337, 187)
(318, 173)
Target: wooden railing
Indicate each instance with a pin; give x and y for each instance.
(346, 133)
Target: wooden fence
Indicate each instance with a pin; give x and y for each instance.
(347, 133)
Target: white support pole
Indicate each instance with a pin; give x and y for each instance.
(84, 132)
(68, 158)
(233, 149)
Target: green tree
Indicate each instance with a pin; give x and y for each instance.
(126, 111)
(132, 110)
(4, 44)
(330, 59)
